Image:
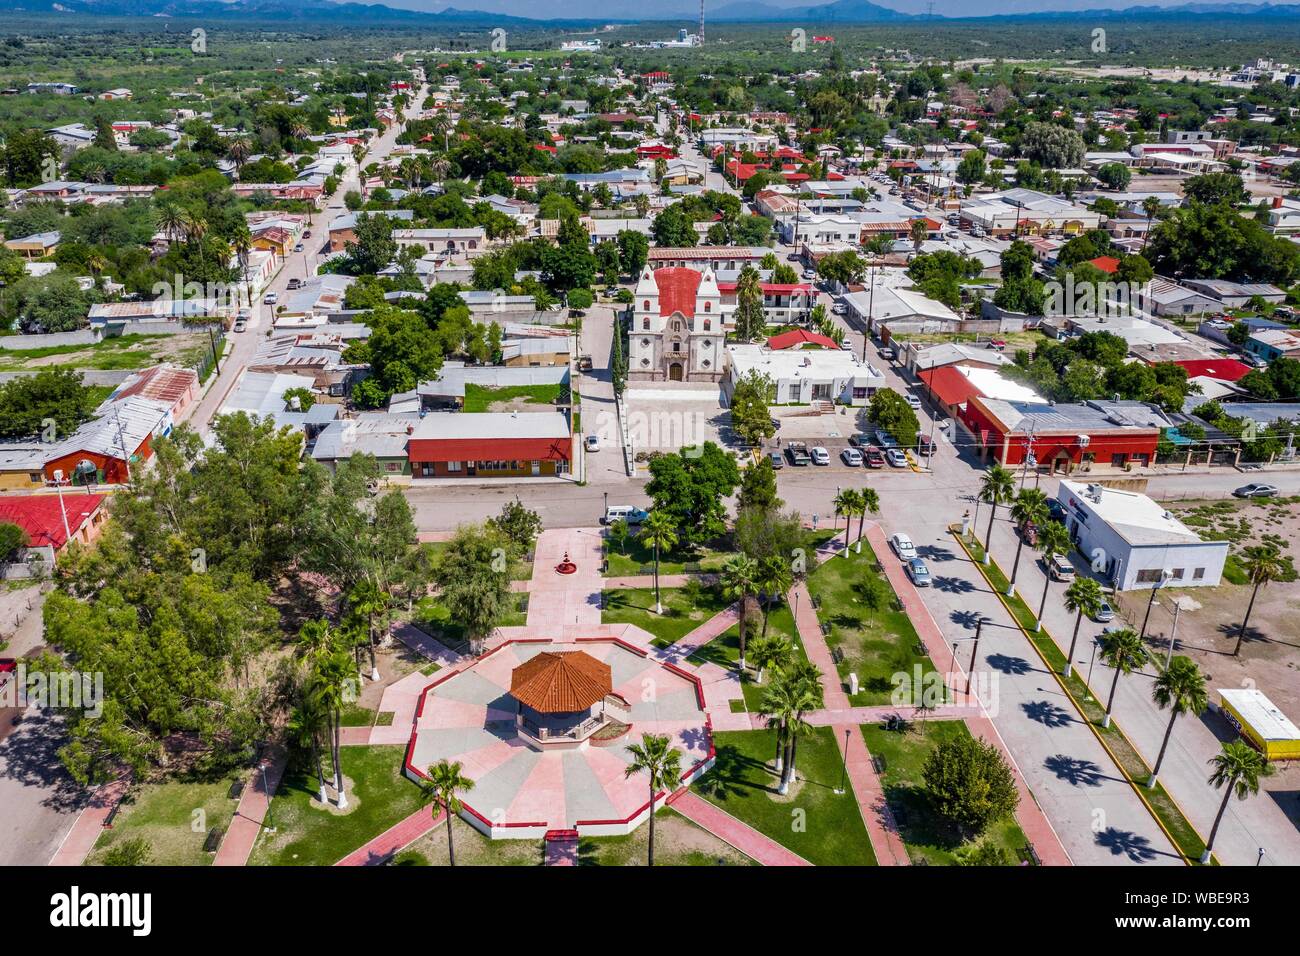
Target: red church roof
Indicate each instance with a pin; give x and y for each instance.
(677, 288)
(797, 338)
(41, 518)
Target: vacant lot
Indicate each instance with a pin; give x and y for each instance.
(124, 352)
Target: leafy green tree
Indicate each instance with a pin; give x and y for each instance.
(1052, 146)
(692, 487)
(758, 487)
(29, 401)
(135, 851)
(674, 228)
(751, 419)
(890, 411)
(969, 783)
(633, 250)
(473, 578)
(402, 351)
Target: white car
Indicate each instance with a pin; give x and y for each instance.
(903, 546)
(851, 457)
(839, 308)
(913, 402)
(271, 298)
(593, 443)
(820, 456)
(895, 458)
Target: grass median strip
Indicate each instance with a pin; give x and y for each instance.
(1158, 801)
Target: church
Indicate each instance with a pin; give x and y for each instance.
(678, 328)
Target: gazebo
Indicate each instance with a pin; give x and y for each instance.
(564, 697)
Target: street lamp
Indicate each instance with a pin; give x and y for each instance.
(266, 789)
(58, 482)
(1164, 576)
(844, 767)
(1178, 603)
(1260, 859)
(974, 654)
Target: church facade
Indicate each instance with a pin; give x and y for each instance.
(678, 329)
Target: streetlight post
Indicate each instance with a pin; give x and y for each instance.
(974, 655)
(1173, 632)
(266, 789)
(1092, 660)
(1260, 859)
(844, 767)
(59, 481)
(1164, 575)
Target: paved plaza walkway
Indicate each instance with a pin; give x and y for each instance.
(395, 839)
(734, 832)
(242, 834)
(81, 839)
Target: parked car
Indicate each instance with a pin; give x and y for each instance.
(839, 308)
(885, 440)
(796, 452)
(1060, 568)
(859, 439)
(918, 572)
(307, 234)
(886, 353)
(913, 402)
(810, 274)
(1105, 613)
(593, 443)
(851, 457)
(271, 298)
(925, 445)
(1255, 490)
(1055, 510)
(902, 546)
(872, 457)
(629, 513)
(895, 458)
(820, 456)
(846, 346)
(996, 344)
(240, 325)
(775, 459)
(792, 257)
(298, 247)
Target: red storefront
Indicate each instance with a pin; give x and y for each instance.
(1059, 448)
(490, 445)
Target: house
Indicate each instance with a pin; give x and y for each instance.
(919, 357)
(799, 339)
(1141, 544)
(447, 391)
(53, 521)
(1235, 295)
(36, 246)
(898, 310)
(1163, 296)
(804, 376)
(717, 258)
(343, 228)
(22, 464)
(465, 242)
(678, 328)
(1271, 344)
(261, 395)
(783, 303)
(381, 434)
(1091, 436)
(491, 445)
(72, 136)
(953, 386)
(103, 450)
(170, 385)
(1021, 211)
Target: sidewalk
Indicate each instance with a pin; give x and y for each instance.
(733, 832)
(810, 632)
(870, 793)
(395, 839)
(80, 840)
(242, 835)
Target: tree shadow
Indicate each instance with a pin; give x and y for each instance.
(1126, 843)
(30, 756)
(965, 619)
(1011, 666)
(734, 774)
(933, 552)
(954, 585)
(1046, 713)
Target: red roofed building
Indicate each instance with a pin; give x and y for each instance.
(800, 338)
(490, 444)
(678, 328)
(655, 151)
(544, 147)
(169, 384)
(950, 388)
(41, 516)
(1222, 369)
(783, 304)
(1107, 264)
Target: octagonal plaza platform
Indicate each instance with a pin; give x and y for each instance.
(523, 790)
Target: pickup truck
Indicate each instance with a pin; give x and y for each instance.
(796, 452)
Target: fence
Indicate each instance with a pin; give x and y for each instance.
(46, 340)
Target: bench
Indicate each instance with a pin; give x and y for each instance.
(236, 790)
(826, 630)
(112, 815)
(816, 603)
(880, 764)
(692, 567)
(837, 655)
(1028, 855)
(647, 569)
(213, 841)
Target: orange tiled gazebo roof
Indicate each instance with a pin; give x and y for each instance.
(560, 683)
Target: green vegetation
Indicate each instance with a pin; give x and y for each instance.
(480, 399)
(173, 818)
(685, 609)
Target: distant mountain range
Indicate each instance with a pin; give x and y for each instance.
(327, 12)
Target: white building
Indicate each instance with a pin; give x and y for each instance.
(804, 376)
(677, 327)
(1137, 542)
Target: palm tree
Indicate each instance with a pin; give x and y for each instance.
(330, 680)
(1181, 688)
(1053, 542)
(367, 600)
(1124, 652)
(1030, 507)
(1082, 597)
(996, 487)
(1150, 206)
(774, 579)
(778, 707)
(443, 782)
(770, 652)
(662, 765)
(239, 149)
(171, 221)
(305, 725)
(739, 582)
(868, 501)
(918, 233)
(844, 506)
(658, 532)
(1238, 768)
(1263, 564)
(96, 263)
(848, 500)
(809, 695)
(241, 240)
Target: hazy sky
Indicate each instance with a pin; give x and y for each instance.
(631, 9)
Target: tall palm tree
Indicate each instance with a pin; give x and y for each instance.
(331, 679)
(1238, 768)
(662, 765)
(1124, 652)
(239, 149)
(1030, 507)
(772, 652)
(1263, 564)
(368, 599)
(241, 240)
(774, 579)
(1053, 542)
(809, 695)
(779, 705)
(844, 506)
(918, 233)
(1082, 597)
(1150, 206)
(1181, 688)
(848, 500)
(868, 501)
(739, 583)
(442, 784)
(659, 532)
(305, 725)
(996, 487)
(171, 221)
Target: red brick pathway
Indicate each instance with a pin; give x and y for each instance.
(244, 828)
(733, 832)
(395, 839)
(80, 840)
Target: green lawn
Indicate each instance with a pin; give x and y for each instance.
(311, 835)
(678, 842)
(628, 558)
(927, 836)
(480, 399)
(173, 818)
(823, 827)
(724, 650)
(472, 849)
(435, 618)
(877, 644)
(685, 609)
